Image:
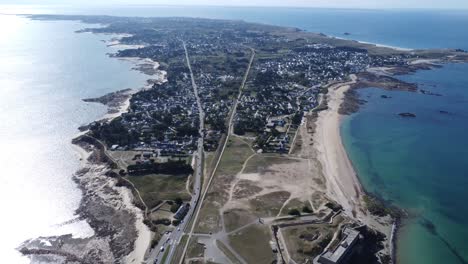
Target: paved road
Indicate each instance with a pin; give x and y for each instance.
(230, 131)
(175, 236)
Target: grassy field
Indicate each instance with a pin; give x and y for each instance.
(209, 219)
(260, 163)
(234, 156)
(294, 204)
(268, 205)
(237, 218)
(237, 151)
(305, 242)
(195, 249)
(155, 187)
(227, 252)
(253, 245)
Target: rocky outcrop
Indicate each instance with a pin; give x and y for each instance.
(108, 212)
(407, 115)
(112, 100)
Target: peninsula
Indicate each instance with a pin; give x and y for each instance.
(232, 152)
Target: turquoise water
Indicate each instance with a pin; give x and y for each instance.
(45, 71)
(402, 28)
(420, 164)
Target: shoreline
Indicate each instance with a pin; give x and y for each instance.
(375, 44)
(143, 237)
(102, 193)
(343, 183)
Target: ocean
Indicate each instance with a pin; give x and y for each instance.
(417, 164)
(45, 71)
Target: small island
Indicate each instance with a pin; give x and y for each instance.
(407, 115)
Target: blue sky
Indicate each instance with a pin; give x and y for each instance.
(426, 4)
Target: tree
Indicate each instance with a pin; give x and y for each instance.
(306, 209)
(178, 200)
(175, 207)
(294, 212)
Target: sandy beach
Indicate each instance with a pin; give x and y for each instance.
(342, 182)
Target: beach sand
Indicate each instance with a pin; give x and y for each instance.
(342, 181)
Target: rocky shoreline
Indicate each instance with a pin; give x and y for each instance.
(113, 100)
(383, 78)
(108, 205)
(105, 209)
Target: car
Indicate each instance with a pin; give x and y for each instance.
(162, 249)
(178, 229)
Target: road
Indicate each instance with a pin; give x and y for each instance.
(230, 131)
(174, 237)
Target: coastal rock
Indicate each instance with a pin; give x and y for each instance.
(445, 112)
(108, 212)
(351, 104)
(111, 99)
(407, 114)
(426, 92)
(368, 79)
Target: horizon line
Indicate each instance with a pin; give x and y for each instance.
(248, 6)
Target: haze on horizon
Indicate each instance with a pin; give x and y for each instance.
(372, 4)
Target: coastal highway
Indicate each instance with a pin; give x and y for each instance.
(170, 241)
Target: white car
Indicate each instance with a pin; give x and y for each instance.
(162, 249)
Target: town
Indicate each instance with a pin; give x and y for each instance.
(214, 151)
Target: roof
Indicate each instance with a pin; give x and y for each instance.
(350, 237)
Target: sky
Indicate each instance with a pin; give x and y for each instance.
(378, 4)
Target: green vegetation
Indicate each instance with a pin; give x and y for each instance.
(379, 208)
(334, 206)
(227, 252)
(178, 251)
(166, 253)
(305, 242)
(237, 218)
(261, 162)
(252, 243)
(294, 212)
(306, 209)
(234, 156)
(156, 188)
(195, 249)
(268, 205)
(170, 167)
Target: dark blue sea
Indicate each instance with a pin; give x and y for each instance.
(419, 164)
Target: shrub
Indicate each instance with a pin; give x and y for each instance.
(175, 207)
(294, 212)
(306, 209)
